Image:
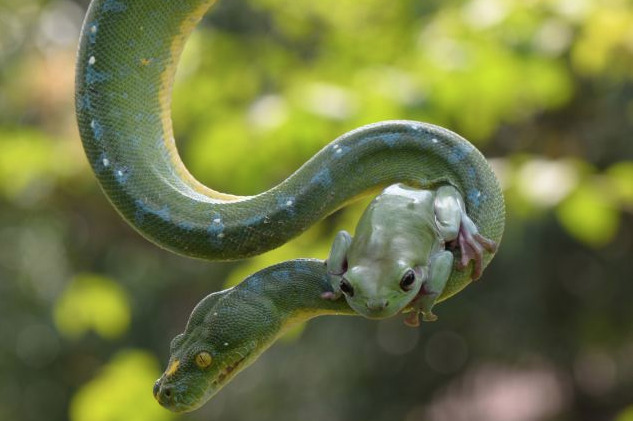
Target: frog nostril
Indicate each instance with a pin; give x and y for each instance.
(377, 304)
(167, 392)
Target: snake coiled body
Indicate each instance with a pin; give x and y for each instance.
(128, 53)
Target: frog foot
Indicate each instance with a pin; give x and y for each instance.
(472, 246)
(336, 292)
(330, 295)
(429, 317)
(413, 319)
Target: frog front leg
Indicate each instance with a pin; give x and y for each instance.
(336, 263)
(455, 226)
(440, 267)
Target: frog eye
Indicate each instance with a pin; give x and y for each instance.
(203, 359)
(407, 281)
(347, 288)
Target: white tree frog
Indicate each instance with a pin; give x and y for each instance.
(400, 258)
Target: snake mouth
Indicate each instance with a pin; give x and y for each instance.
(180, 398)
(227, 372)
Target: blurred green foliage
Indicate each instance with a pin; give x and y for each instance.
(543, 87)
(92, 303)
(627, 415)
(119, 392)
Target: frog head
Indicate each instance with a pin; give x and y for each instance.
(378, 289)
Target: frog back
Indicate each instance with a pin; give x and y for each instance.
(398, 224)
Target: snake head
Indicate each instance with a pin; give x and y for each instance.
(207, 355)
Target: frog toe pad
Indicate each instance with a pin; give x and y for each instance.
(472, 246)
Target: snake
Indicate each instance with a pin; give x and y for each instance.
(126, 64)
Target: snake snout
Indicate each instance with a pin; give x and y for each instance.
(163, 393)
(156, 388)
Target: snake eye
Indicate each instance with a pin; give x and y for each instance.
(347, 288)
(407, 281)
(203, 359)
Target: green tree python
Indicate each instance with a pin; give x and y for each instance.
(128, 53)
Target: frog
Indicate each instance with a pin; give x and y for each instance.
(402, 254)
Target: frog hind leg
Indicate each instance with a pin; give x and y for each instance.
(336, 264)
(459, 231)
(471, 245)
(441, 266)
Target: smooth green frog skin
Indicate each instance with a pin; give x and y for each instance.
(399, 257)
(229, 329)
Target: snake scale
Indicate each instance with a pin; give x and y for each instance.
(128, 54)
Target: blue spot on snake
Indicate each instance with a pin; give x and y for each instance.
(122, 174)
(113, 6)
(344, 150)
(101, 163)
(93, 76)
(391, 139)
(92, 29)
(323, 177)
(143, 209)
(254, 220)
(475, 197)
(286, 202)
(256, 284)
(457, 154)
(139, 215)
(97, 130)
(368, 140)
(283, 275)
(186, 225)
(163, 213)
(84, 103)
(415, 127)
(339, 151)
(216, 229)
